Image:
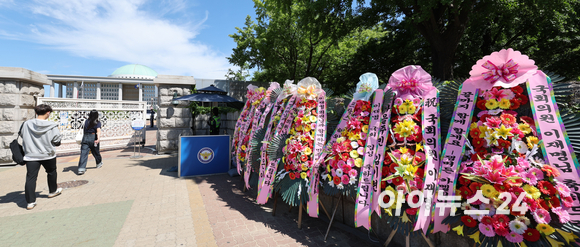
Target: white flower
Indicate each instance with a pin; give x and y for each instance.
(354, 145)
(518, 227)
(340, 186)
(519, 146)
(494, 112)
(339, 172)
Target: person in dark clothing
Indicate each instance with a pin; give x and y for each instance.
(92, 132)
(214, 122)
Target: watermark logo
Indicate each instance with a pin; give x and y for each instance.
(205, 155)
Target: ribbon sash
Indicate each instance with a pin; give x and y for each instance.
(278, 107)
(364, 194)
(237, 128)
(551, 131)
(454, 145)
(256, 125)
(380, 155)
(430, 124)
(282, 128)
(319, 139)
(244, 129)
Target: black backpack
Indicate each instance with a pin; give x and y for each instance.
(17, 150)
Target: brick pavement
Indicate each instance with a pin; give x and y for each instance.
(136, 202)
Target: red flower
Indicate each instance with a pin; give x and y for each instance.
(478, 142)
(517, 89)
(398, 180)
(551, 171)
(504, 144)
(291, 175)
(465, 192)
(543, 204)
(475, 133)
(385, 171)
(501, 230)
(464, 180)
(392, 167)
(484, 117)
(420, 173)
(475, 186)
(515, 104)
(521, 98)
(411, 211)
(554, 201)
(528, 120)
(532, 235)
(337, 180)
(546, 188)
(304, 158)
(344, 156)
(487, 220)
(481, 104)
(501, 220)
(383, 184)
(508, 119)
(468, 221)
(418, 137)
(567, 201)
(501, 187)
(387, 159)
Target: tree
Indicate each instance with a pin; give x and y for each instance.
(292, 39)
(240, 75)
(461, 31)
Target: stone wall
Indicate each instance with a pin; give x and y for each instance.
(172, 121)
(16, 106)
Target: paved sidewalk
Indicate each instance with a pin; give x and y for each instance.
(136, 202)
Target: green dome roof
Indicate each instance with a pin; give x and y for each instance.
(137, 71)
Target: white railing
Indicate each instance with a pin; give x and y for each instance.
(115, 116)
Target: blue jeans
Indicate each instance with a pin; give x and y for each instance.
(88, 143)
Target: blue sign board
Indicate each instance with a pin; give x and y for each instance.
(203, 155)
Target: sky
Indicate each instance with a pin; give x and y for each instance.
(95, 37)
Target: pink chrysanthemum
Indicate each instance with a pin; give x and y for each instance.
(563, 189)
(514, 237)
(542, 216)
(487, 230)
(563, 215)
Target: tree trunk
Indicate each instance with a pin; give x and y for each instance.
(443, 55)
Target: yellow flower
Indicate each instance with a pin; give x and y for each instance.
(365, 128)
(504, 132)
(307, 151)
(488, 191)
(313, 119)
(304, 167)
(459, 230)
(568, 236)
(299, 128)
(354, 154)
(406, 160)
(524, 127)
(473, 125)
(244, 147)
(419, 146)
(403, 109)
(491, 104)
(306, 127)
(405, 128)
(403, 150)
(504, 104)
(545, 229)
(483, 129)
(305, 120)
(358, 162)
(532, 191)
(532, 140)
(475, 237)
(328, 169)
(329, 177)
(340, 139)
(303, 175)
(353, 136)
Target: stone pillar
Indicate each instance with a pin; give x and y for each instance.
(140, 92)
(98, 90)
(172, 121)
(61, 92)
(18, 88)
(51, 90)
(75, 90)
(120, 91)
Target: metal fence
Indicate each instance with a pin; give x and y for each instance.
(115, 116)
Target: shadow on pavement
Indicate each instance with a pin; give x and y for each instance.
(229, 190)
(17, 197)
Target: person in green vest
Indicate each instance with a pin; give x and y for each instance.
(214, 122)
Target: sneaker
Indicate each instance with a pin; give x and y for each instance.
(99, 165)
(80, 172)
(31, 205)
(56, 193)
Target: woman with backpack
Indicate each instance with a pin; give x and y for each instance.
(92, 132)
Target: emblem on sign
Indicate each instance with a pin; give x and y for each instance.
(205, 155)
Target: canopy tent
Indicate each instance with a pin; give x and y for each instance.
(213, 94)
